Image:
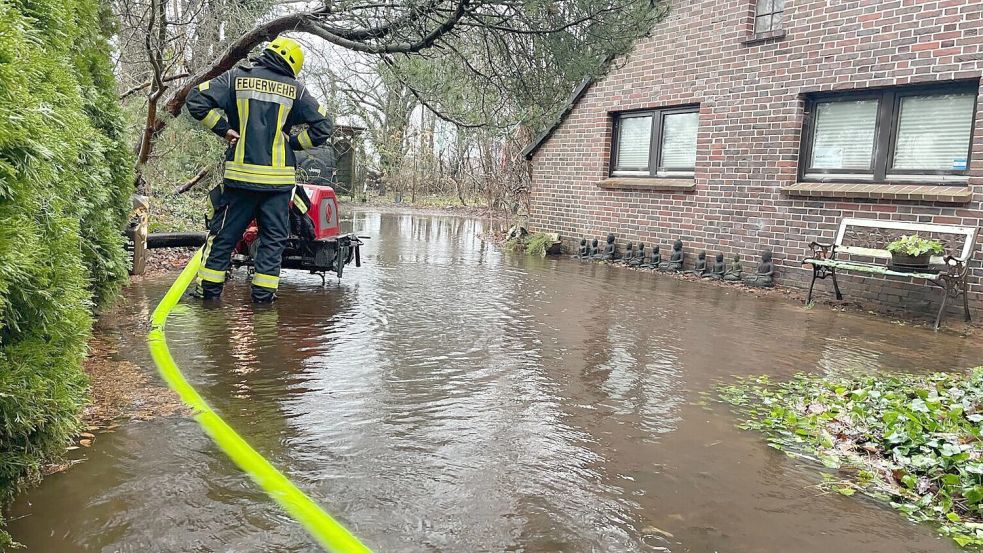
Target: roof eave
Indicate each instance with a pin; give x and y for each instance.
(529, 151)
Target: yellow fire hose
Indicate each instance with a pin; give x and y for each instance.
(327, 531)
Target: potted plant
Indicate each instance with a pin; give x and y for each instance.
(913, 252)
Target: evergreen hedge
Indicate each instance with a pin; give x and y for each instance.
(65, 181)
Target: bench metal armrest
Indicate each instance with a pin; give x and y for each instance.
(955, 267)
(822, 251)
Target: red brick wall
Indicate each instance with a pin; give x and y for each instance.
(751, 113)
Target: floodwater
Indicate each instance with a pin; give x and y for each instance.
(448, 396)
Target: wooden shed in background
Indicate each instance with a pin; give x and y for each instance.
(336, 163)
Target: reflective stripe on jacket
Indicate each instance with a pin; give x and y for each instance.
(262, 105)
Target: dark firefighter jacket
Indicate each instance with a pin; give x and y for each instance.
(263, 103)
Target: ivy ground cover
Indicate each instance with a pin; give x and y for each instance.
(913, 441)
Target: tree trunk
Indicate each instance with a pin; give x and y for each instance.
(158, 24)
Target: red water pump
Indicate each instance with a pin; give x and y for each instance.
(316, 243)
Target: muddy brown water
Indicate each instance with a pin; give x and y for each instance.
(451, 397)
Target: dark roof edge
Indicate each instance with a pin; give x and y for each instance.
(541, 139)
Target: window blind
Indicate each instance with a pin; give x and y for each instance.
(844, 135)
(679, 140)
(634, 141)
(934, 132)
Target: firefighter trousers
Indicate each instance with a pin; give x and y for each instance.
(236, 208)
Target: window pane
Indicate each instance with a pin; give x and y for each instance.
(844, 135)
(778, 5)
(764, 6)
(679, 140)
(934, 132)
(633, 143)
(776, 20)
(762, 24)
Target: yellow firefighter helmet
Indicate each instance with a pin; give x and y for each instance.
(289, 50)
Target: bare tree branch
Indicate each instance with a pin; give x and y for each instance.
(140, 87)
(193, 181)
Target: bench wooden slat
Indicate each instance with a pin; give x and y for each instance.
(880, 254)
(869, 268)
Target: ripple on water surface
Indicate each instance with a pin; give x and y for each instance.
(449, 397)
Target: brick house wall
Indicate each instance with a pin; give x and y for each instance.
(750, 124)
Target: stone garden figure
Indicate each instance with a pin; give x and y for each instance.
(610, 250)
(592, 250)
(677, 258)
(655, 259)
(765, 278)
(629, 253)
(582, 252)
(639, 257)
(701, 264)
(719, 268)
(734, 270)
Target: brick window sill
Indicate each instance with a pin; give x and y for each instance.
(650, 184)
(767, 36)
(952, 194)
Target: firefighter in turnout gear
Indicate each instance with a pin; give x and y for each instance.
(254, 108)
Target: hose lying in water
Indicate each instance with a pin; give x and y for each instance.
(327, 531)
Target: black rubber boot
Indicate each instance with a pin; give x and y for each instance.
(263, 295)
(195, 292)
(211, 290)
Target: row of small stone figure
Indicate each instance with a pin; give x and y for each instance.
(718, 270)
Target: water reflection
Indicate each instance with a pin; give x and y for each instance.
(449, 397)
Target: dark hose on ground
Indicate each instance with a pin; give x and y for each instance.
(176, 239)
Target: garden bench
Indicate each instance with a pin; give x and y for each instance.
(864, 242)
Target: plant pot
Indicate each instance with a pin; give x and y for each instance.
(911, 263)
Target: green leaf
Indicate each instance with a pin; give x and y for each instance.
(919, 406)
(830, 461)
(908, 508)
(973, 495)
(923, 461)
(949, 450)
(950, 479)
